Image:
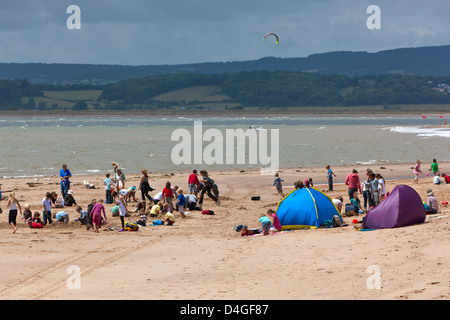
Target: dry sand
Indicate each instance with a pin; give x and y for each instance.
(202, 257)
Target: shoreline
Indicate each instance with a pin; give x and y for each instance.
(402, 167)
(210, 113)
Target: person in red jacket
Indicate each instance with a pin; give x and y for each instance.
(167, 195)
(352, 181)
(446, 178)
(194, 183)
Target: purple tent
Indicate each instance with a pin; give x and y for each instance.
(403, 207)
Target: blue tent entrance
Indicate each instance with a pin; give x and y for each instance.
(305, 208)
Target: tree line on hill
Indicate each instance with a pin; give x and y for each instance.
(420, 61)
(256, 89)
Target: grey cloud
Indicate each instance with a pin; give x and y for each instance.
(174, 31)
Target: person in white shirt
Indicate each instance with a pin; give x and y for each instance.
(437, 180)
(338, 203)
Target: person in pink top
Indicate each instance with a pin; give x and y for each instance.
(96, 214)
(417, 171)
(276, 224)
(352, 181)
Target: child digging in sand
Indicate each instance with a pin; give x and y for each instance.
(276, 225)
(265, 224)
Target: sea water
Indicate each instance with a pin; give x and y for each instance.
(38, 146)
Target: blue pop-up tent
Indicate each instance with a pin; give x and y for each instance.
(305, 208)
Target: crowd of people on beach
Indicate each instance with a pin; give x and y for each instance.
(162, 205)
(372, 188)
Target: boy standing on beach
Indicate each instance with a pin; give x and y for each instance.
(47, 208)
(181, 202)
(330, 175)
(194, 183)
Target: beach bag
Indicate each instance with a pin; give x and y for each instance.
(35, 225)
(130, 226)
(208, 212)
(239, 227)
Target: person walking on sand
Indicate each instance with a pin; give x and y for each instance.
(417, 171)
(13, 204)
(209, 186)
(277, 183)
(352, 181)
(144, 186)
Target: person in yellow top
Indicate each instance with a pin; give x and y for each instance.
(154, 212)
(170, 218)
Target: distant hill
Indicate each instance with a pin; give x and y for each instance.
(422, 61)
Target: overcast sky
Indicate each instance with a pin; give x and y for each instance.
(154, 32)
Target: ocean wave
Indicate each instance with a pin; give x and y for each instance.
(423, 132)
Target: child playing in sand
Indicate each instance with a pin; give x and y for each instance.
(330, 175)
(309, 183)
(417, 171)
(169, 218)
(277, 183)
(276, 225)
(36, 217)
(13, 204)
(338, 201)
(27, 214)
(265, 224)
(446, 178)
(181, 202)
(96, 214)
(155, 210)
(432, 201)
(356, 203)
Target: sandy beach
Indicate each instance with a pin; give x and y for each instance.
(203, 258)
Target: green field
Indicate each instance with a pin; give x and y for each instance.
(81, 95)
(200, 93)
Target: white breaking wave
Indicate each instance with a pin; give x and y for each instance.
(423, 132)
